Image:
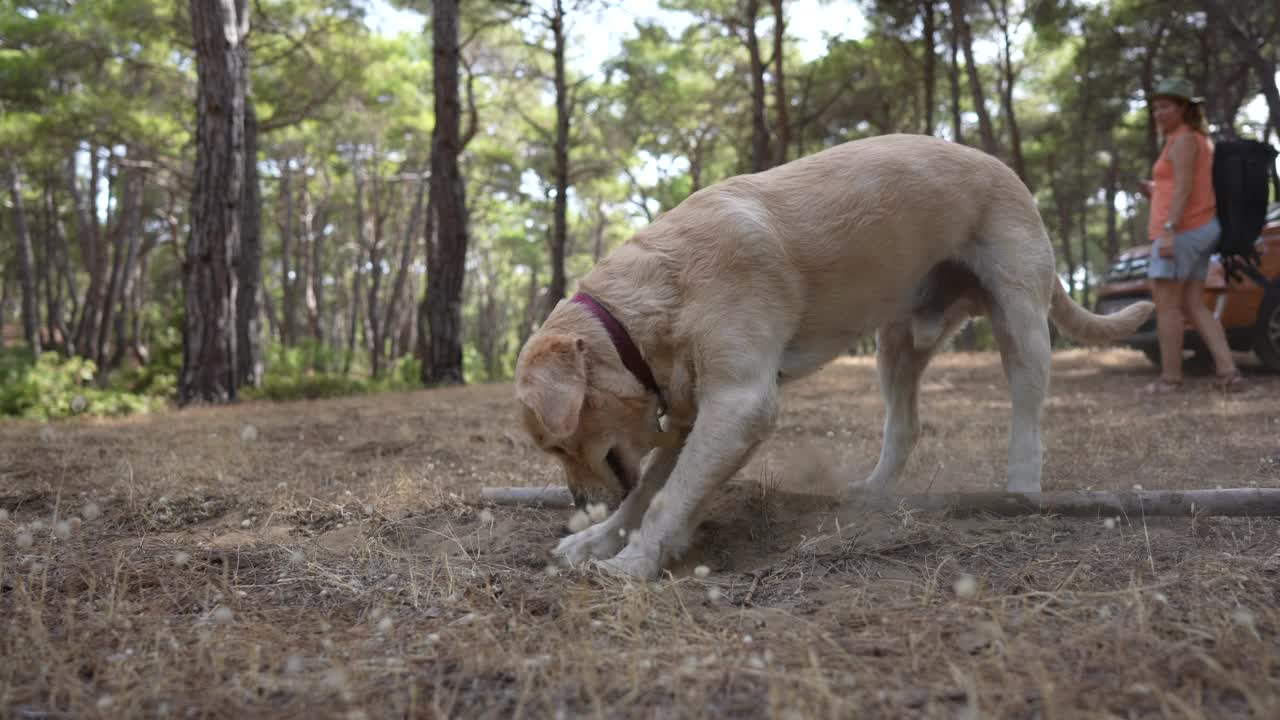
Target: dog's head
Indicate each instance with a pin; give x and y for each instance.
(580, 404)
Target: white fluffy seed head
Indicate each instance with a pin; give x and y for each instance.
(248, 433)
(702, 571)
(91, 511)
(181, 559)
(385, 625)
(296, 557)
(105, 702)
(713, 594)
(597, 512)
(24, 540)
(246, 523)
(78, 404)
(552, 571)
(486, 517)
(579, 521)
(1242, 617)
(368, 510)
(223, 615)
(1109, 523)
(294, 665)
(965, 586)
(1136, 486)
(433, 638)
(62, 530)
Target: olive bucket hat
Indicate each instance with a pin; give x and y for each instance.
(1176, 87)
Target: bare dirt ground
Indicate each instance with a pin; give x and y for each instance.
(327, 564)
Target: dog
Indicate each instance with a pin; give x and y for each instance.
(654, 384)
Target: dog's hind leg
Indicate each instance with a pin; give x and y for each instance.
(1021, 328)
(1015, 266)
(900, 364)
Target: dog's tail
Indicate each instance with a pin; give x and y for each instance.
(1086, 327)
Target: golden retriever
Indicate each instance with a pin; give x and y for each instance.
(763, 278)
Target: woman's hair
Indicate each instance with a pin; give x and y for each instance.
(1193, 116)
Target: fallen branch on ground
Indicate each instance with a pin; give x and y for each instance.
(1258, 502)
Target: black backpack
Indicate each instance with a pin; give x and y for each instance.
(1243, 171)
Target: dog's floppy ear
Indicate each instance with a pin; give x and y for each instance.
(553, 382)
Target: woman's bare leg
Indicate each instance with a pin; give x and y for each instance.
(1208, 326)
(1168, 296)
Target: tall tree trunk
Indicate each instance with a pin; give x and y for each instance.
(760, 157)
(1264, 68)
(131, 230)
(373, 328)
(128, 228)
(1147, 77)
(1008, 76)
(316, 219)
(289, 310)
(60, 272)
(357, 272)
(396, 303)
(985, 130)
(1111, 181)
(779, 83)
(560, 213)
(26, 265)
(929, 17)
(1063, 206)
(953, 76)
(448, 197)
(250, 362)
(210, 275)
(90, 236)
(1083, 151)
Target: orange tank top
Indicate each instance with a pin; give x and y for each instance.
(1201, 205)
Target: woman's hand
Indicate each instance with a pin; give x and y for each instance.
(1164, 244)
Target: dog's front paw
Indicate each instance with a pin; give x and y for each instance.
(594, 542)
(632, 562)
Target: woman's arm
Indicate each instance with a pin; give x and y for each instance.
(1183, 156)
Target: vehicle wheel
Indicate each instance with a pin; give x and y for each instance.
(1266, 331)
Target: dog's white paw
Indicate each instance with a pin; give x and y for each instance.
(589, 544)
(632, 562)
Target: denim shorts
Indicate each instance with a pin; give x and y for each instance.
(1191, 251)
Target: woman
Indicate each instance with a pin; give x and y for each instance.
(1184, 229)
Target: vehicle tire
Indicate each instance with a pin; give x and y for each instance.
(1266, 331)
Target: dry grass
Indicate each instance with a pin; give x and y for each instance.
(330, 567)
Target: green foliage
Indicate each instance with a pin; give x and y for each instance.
(291, 375)
(54, 387)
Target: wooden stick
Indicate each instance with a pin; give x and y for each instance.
(1257, 502)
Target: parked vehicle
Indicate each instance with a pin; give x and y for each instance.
(1249, 312)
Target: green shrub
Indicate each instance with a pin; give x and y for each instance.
(54, 387)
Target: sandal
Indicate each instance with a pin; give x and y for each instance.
(1160, 387)
(1230, 382)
